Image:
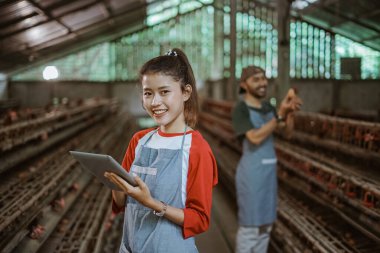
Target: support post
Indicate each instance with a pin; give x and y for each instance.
(231, 85)
(283, 60)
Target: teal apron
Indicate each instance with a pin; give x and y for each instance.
(161, 170)
(256, 179)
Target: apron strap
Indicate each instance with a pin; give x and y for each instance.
(183, 138)
(150, 136)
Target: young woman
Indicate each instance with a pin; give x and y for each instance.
(174, 166)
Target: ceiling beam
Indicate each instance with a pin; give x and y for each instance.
(39, 8)
(352, 19)
(73, 48)
(370, 14)
(115, 33)
(7, 2)
(377, 36)
(13, 22)
(107, 8)
(335, 31)
(324, 6)
(313, 6)
(86, 6)
(93, 26)
(59, 4)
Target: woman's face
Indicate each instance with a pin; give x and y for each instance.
(164, 100)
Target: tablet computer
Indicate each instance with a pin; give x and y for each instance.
(97, 164)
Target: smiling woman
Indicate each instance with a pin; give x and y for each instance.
(164, 100)
(174, 166)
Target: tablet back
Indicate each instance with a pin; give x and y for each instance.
(98, 164)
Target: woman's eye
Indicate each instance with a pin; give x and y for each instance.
(164, 92)
(146, 94)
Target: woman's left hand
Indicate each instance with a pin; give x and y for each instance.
(140, 192)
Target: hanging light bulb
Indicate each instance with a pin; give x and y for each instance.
(50, 72)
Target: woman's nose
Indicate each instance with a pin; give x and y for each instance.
(156, 100)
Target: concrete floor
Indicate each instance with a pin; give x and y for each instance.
(220, 237)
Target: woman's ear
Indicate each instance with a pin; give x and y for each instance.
(187, 92)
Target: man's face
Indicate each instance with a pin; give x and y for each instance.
(256, 85)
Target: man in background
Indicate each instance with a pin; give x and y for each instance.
(254, 121)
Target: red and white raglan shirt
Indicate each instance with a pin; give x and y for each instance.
(199, 174)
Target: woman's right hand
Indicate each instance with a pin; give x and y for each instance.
(140, 192)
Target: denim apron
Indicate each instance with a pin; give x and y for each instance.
(256, 178)
(161, 170)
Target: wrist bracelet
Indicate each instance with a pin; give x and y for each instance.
(163, 211)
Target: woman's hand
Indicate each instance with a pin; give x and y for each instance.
(140, 193)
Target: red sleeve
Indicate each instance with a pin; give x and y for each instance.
(129, 157)
(202, 176)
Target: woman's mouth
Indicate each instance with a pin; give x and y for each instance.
(159, 112)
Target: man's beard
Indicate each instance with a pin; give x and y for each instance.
(255, 93)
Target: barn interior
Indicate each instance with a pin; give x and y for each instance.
(69, 80)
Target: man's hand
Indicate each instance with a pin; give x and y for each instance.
(290, 103)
